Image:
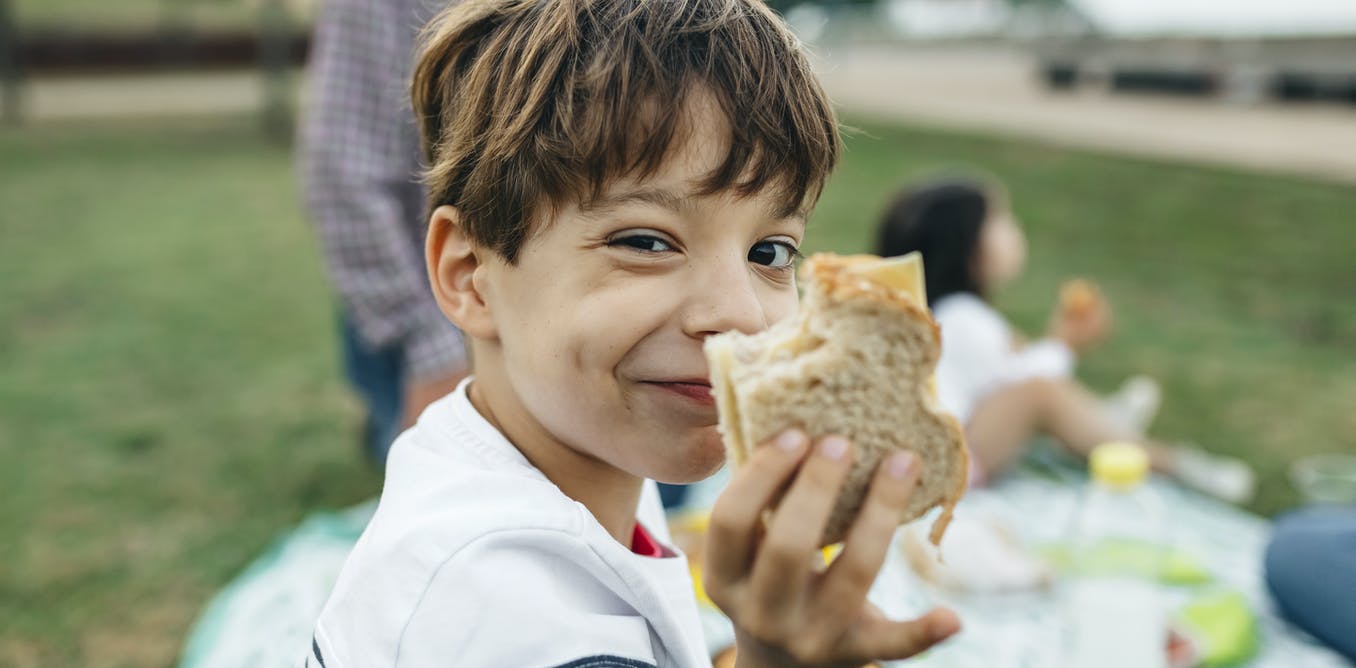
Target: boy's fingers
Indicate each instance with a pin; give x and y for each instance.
(792, 539)
(868, 542)
(738, 512)
(885, 640)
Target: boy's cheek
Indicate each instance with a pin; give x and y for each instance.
(783, 306)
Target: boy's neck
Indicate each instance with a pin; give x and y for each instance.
(612, 495)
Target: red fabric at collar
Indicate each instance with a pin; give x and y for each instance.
(644, 544)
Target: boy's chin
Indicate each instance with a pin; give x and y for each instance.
(703, 460)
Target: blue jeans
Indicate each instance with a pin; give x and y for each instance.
(1311, 570)
(377, 376)
(672, 496)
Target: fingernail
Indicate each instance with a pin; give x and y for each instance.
(899, 464)
(833, 447)
(791, 440)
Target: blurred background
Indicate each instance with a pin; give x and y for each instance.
(171, 396)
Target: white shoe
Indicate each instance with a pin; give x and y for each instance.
(1226, 478)
(1134, 406)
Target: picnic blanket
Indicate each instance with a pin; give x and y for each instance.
(264, 616)
(1019, 630)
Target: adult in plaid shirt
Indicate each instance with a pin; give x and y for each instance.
(360, 167)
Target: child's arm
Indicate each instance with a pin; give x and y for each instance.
(1083, 322)
(1073, 331)
(786, 611)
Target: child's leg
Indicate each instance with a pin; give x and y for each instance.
(1006, 420)
(376, 375)
(1064, 409)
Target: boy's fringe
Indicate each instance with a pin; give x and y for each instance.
(525, 104)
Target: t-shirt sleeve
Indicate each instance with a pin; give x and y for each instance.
(1047, 358)
(522, 601)
(979, 357)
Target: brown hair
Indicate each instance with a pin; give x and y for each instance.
(522, 103)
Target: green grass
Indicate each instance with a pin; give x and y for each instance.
(171, 397)
(169, 381)
(1233, 289)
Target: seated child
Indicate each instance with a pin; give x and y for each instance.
(1006, 390)
(611, 182)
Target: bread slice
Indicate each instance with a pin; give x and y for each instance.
(856, 361)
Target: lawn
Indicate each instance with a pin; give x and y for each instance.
(171, 396)
(167, 368)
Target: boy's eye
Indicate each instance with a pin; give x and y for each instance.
(644, 242)
(775, 254)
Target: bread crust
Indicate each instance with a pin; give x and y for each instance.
(831, 276)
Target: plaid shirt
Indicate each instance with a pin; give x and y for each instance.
(360, 169)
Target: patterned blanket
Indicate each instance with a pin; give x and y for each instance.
(264, 617)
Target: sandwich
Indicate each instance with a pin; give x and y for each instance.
(856, 361)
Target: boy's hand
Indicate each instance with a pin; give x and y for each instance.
(787, 610)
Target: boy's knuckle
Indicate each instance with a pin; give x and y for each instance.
(768, 464)
(718, 596)
(723, 520)
(714, 588)
(763, 627)
(880, 512)
(811, 648)
(818, 477)
(858, 576)
(783, 547)
(828, 476)
(764, 455)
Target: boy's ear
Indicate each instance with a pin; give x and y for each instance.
(452, 260)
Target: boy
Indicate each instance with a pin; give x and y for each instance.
(611, 181)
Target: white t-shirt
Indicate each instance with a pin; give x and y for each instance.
(475, 558)
(980, 354)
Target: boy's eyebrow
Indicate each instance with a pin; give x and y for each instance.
(658, 197)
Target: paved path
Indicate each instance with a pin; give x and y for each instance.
(996, 90)
(986, 89)
(126, 96)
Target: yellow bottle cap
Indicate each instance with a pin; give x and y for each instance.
(1119, 465)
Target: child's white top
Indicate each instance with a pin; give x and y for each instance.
(980, 354)
(475, 558)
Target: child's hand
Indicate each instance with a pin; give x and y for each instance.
(1082, 319)
(788, 610)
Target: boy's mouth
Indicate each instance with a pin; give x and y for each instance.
(695, 389)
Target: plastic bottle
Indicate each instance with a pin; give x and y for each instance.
(1115, 613)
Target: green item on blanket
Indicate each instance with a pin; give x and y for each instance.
(1222, 626)
(1178, 567)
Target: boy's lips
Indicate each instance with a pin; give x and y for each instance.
(697, 390)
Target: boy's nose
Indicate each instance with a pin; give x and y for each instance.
(722, 301)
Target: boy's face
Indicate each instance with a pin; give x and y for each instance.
(599, 326)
